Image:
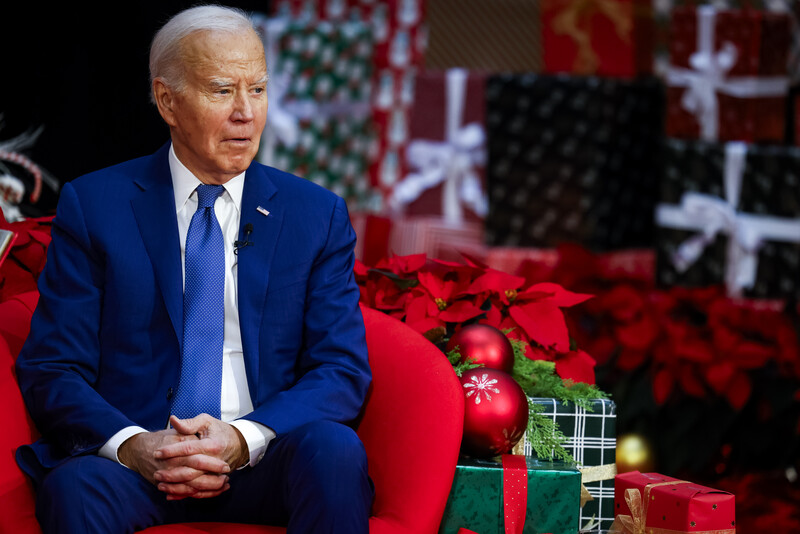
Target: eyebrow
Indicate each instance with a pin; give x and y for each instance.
(227, 82)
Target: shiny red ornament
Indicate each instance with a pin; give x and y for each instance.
(495, 412)
(484, 344)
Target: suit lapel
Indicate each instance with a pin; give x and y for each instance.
(255, 262)
(154, 209)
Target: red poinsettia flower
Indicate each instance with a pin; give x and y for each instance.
(537, 311)
(436, 302)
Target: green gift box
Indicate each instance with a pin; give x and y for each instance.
(592, 442)
(476, 498)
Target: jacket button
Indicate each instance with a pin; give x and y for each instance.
(170, 393)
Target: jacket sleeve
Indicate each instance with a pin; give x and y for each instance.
(59, 362)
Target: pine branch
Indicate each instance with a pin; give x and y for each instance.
(545, 437)
(458, 366)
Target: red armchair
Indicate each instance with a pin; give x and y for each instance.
(411, 430)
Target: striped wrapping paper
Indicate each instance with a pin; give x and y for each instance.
(592, 441)
(496, 36)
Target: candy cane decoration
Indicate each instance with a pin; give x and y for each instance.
(29, 166)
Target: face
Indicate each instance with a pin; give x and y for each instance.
(216, 120)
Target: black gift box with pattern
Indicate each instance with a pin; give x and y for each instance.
(758, 206)
(572, 159)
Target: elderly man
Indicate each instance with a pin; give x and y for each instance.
(198, 353)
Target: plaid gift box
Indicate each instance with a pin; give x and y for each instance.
(319, 121)
(730, 213)
(592, 441)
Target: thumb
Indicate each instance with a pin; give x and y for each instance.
(189, 426)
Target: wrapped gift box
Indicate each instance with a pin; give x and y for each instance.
(500, 36)
(601, 37)
(592, 442)
(319, 124)
(674, 505)
(399, 40)
(571, 160)
(446, 156)
(730, 214)
(476, 498)
(728, 75)
(437, 238)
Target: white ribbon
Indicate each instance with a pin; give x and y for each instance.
(708, 76)
(451, 161)
(712, 215)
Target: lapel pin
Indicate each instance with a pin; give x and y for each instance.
(262, 211)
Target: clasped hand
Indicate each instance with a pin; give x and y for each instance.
(191, 459)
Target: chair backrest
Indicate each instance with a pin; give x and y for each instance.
(411, 428)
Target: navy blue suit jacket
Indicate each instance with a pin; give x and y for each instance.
(105, 341)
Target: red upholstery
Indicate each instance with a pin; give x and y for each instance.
(411, 430)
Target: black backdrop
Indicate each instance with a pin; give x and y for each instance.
(81, 72)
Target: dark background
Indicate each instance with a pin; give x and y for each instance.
(82, 73)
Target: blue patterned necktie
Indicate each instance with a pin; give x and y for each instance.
(200, 384)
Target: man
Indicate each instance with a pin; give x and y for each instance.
(191, 281)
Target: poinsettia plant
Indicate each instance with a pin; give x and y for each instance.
(437, 298)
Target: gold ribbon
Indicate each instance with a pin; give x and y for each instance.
(635, 523)
(569, 21)
(595, 474)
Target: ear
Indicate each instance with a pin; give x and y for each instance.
(165, 101)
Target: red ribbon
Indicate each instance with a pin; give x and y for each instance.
(515, 494)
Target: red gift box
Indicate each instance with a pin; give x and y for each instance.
(600, 37)
(446, 152)
(728, 79)
(657, 503)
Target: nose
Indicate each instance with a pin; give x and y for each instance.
(242, 108)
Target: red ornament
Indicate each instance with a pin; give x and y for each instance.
(495, 412)
(484, 344)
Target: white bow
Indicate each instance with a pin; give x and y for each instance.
(708, 76)
(713, 215)
(451, 161)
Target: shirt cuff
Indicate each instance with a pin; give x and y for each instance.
(111, 447)
(257, 437)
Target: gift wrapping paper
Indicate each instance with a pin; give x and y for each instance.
(728, 74)
(601, 37)
(319, 123)
(496, 36)
(446, 155)
(437, 238)
(476, 498)
(571, 160)
(399, 37)
(730, 214)
(592, 442)
(665, 504)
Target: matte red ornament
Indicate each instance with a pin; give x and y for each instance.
(495, 412)
(484, 344)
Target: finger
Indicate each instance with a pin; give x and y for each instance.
(180, 474)
(208, 494)
(194, 425)
(200, 462)
(207, 446)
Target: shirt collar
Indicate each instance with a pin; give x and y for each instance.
(184, 183)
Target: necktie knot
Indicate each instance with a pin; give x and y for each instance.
(207, 195)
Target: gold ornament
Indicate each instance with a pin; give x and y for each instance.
(634, 453)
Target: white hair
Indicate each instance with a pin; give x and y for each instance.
(166, 62)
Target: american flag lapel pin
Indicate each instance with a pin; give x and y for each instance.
(262, 211)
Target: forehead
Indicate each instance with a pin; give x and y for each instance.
(216, 53)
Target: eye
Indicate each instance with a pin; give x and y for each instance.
(259, 90)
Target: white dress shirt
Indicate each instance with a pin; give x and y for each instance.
(235, 401)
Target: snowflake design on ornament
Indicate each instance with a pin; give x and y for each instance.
(482, 385)
(510, 438)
